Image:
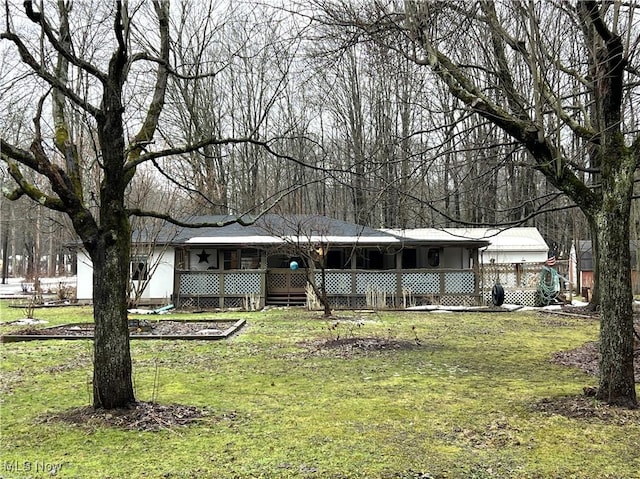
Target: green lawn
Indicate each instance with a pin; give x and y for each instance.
(466, 403)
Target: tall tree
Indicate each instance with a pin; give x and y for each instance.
(251, 50)
(107, 235)
(108, 64)
(543, 72)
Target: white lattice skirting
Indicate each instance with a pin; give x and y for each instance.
(348, 289)
(526, 297)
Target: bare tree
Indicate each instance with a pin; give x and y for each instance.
(109, 65)
(306, 237)
(544, 73)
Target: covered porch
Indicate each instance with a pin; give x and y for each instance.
(352, 278)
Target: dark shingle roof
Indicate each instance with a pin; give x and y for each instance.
(273, 229)
(278, 226)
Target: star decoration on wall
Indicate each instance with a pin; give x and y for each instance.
(204, 257)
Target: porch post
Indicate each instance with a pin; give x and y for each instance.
(263, 278)
(398, 259)
(476, 275)
(354, 278)
(220, 254)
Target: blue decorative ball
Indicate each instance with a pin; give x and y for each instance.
(293, 265)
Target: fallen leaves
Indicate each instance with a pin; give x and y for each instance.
(142, 416)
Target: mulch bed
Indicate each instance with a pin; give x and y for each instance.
(346, 348)
(587, 409)
(142, 416)
(586, 359)
(206, 329)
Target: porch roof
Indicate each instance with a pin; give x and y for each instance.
(280, 229)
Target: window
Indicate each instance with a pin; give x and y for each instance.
(433, 257)
(139, 270)
(250, 259)
(375, 259)
(181, 259)
(204, 259)
(231, 259)
(242, 259)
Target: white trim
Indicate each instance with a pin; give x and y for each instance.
(254, 240)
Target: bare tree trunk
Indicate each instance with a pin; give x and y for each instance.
(617, 384)
(112, 373)
(5, 253)
(13, 241)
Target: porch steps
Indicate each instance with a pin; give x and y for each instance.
(286, 299)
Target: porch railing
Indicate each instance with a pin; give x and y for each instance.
(422, 282)
(348, 288)
(219, 289)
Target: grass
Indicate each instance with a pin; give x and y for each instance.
(462, 405)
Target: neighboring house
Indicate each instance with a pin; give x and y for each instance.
(514, 257)
(581, 264)
(238, 266)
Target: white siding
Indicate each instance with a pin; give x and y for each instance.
(508, 257)
(85, 277)
(160, 285)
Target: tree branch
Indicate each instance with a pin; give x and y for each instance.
(31, 190)
(266, 144)
(29, 60)
(516, 101)
(10, 152)
(63, 48)
(244, 219)
(525, 131)
(62, 138)
(148, 128)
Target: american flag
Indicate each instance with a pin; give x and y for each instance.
(551, 260)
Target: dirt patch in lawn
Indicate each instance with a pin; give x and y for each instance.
(142, 416)
(586, 358)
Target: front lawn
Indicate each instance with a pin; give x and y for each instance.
(370, 395)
